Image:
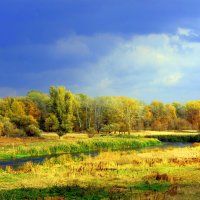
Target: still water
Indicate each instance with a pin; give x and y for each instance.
(15, 163)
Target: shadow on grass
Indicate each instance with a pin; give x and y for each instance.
(177, 138)
(60, 193)
(152, 191)
(159, 187)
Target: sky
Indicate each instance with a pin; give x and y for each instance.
(144, 49)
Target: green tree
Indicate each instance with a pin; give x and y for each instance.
(61, 104)
(193, 113)
(51, 123)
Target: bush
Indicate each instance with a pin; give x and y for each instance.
(91, 132)
(8, 129)
(32, 130)
(1, 128)
(107, 128)
(24, 121)
(17, 133)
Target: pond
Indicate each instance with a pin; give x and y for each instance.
(15, 163)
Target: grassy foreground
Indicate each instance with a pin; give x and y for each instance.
(172, 173)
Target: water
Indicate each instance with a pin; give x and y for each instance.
(170, 144)
(15, 163)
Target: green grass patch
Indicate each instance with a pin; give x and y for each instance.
(75, 192)
(79, 146)
(157, 186)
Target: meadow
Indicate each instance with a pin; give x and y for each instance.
(126, 173)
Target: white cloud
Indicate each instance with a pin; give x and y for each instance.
(169, 80)
(173, 79)
(142, 66)
(186, 32)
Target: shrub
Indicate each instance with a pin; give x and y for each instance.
(24, 121)
(91, 132)
(32, 130)
(1, 128)
(107, 128)
(18, 133)
(8, 129)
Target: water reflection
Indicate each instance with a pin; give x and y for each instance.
(15, 163)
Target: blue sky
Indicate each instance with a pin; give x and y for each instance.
(146, 49)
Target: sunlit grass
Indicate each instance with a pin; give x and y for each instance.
(153, 169)
(75, 146)
(152, 133)
(158, 172)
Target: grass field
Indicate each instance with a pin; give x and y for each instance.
(171, 173)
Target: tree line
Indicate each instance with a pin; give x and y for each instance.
(62, 111)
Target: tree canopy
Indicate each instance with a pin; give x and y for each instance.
(63, 112)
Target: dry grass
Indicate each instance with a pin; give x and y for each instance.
(7, 141)
(116, 171)
(153, 133)
(50, 136)
(121, 169)
(73, 136)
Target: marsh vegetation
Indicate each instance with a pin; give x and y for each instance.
(153, 173)
(126, 173)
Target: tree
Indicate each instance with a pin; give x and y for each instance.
(61, 104)
(193, 113)
(84, 111)
(51, 123)
(170, 116)
(147, 117)
(39, 98)
(41, 102)
(130, 111)
(18, 108)
(180, 110)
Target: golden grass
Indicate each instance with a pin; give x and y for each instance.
(178, 166)
(74, 136)
(51, 136)
(152, 133)
(9, 141)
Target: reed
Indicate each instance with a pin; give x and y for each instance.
(78, 146)
(168, 173)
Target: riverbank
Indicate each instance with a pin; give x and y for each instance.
(55, 147)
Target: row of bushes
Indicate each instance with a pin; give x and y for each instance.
(177, 138)
(18, 128)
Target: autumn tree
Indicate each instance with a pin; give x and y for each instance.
(193, 113)
(61, 104)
